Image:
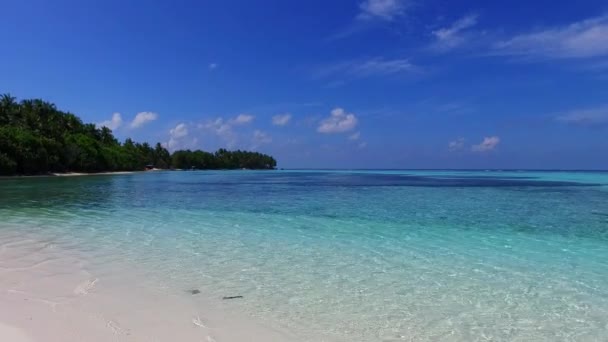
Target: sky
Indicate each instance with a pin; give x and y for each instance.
(327, 84)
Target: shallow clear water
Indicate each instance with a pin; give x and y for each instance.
(351, 255)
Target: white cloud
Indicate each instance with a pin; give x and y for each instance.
(260, 138)
(379, 66)
(242, 119)
(488, 144)
(355, 136)
(224, 128)
(142, 118)
(367, 68)
(586, 117)
(213, 66)
(113, 123)
(372, 12)
(363, 144)
(281, 119)
(179, 138)
(456, 145)
(339, 121)
(382, 9)
(584, 39)
(452, 36)
(179, 131)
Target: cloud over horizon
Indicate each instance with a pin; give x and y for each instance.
(281, 119)
(488, 144)
(113, 123)
(338, 122)
(260, 138)
(179, 138)
(586, 117)
(225, 128)
(142, 118)
(456, 145)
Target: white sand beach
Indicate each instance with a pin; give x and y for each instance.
(9, 333)
(48, 294)
(74, 174)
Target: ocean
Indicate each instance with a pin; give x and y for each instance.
(347, 255)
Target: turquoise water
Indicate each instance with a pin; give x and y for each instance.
(351, 255)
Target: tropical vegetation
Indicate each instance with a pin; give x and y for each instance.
(38, 138)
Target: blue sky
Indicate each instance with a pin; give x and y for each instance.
(338, 84)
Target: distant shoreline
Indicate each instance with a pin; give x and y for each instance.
(117, 173)
(73, 174)
(76, 174)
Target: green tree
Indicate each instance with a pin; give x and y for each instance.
(7, 165)
(36, 138)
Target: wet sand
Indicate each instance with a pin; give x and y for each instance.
(48, 294)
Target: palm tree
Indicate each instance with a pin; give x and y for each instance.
(8, 108)
(106, 136)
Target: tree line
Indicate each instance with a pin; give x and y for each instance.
(38, 138)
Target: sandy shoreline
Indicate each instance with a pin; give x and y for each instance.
(74, 174)
(49, 294)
